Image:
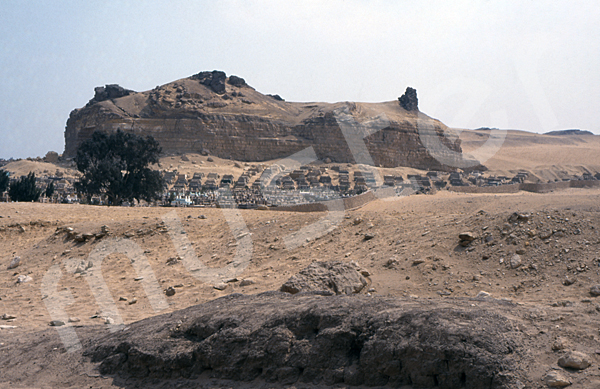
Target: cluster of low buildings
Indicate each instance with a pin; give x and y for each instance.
(264, 186)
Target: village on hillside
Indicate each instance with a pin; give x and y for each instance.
(262, 185)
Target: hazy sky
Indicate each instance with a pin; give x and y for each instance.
(508, 64)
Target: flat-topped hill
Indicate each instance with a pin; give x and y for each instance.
(224, 116)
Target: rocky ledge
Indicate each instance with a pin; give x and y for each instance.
(320, 340)
(229, 118)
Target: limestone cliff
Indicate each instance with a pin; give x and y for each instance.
(228, 118)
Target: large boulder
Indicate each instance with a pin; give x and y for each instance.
(575, 360)
(215, 80)
(317, 340)
(236, 81)
(51, 157)
(409, 100)
(335, 277)
(110, 91)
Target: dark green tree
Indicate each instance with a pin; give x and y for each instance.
(50, 189)
(4, 180)
(24, 189)
(117, 166)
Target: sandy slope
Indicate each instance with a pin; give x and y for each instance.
(546, 157)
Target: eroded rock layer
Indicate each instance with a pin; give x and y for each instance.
(323, 340)
(226, 117)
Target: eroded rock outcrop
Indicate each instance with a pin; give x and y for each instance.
(335, 277)
(409, 100)
(210, 111)
(215, 80)
(110, 91)
(323, 340)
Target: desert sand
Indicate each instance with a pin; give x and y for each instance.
(534, 255)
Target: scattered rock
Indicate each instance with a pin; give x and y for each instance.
(104, 230)
(172, 260)
(7, 327)
(247, 282)
(483, 294)
(6, 316)
(369, 236)
(202, 217)
(132, 301)
(220, 286)
(138, 278)
(16, 261)
(569, 281)
(335, 276)
(122, 298)
(23, 279)
(533, 266)
(466, 238)
(518, 217)
(391, 263)
(515, 261)
(418, 262)
(87, 236)
(595, 290)
(109, 320)
(170, 291)
(210, 159)
(83, 266)
(555, 379)
(560, 344)
(74, 320)
(575, 360)
(56, 323)
(357, 221)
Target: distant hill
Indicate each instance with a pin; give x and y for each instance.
(211, 113)
(569, 132)
(551, 156)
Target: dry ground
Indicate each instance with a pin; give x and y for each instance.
(545, 157)
(414, 253)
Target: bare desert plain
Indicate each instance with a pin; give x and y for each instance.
(502, 287)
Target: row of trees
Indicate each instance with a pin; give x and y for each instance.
(114, 166)
(23, 189)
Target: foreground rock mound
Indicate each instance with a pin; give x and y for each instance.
(283, 338)
(335, 277)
